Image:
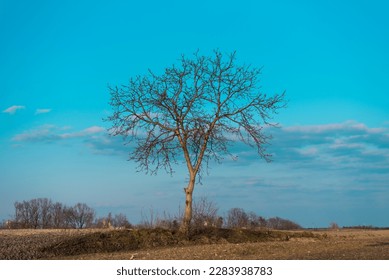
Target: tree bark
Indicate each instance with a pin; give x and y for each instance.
(185, 226)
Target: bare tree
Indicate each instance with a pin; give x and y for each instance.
(80, 215)
(262, 222)
(68, 217)
(237, 218)
(46, 212)
(120, 220)
(204, 213)
(34, 213)
(43, 213)
(279, 223)
(58, 215)
(22, 214)
(334, 226)
(192, 112)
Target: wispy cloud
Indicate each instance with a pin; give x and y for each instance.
(348, 146)
(351, 136)
(42, 133)
(332, 156)
(348, 126)
(96, 138)
(13, 109)
(85, 132)
(51, 133)
(42, 111)
(352, 154)
(94, 129)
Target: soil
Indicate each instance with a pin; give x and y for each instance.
(206, 244)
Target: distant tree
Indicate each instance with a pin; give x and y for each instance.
(104, 222)
(204, 213)
(279, 223)
(262, 222)
(81, 215)
(334, 226)
(108, 221)
(193, 111)
(58, 215)
(120, 220)
(35, 213)
(43, 213)
(46, 212)
(237, 218)
(22, 214)
(253, 220)
(68, 217)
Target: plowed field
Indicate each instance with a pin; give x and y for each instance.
(209, 244)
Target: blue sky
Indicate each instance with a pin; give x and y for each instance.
(331, 152)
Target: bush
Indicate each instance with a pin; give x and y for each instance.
(334, 226)
(237, 218)
(204, 214)
(279, 223)
(118, 221)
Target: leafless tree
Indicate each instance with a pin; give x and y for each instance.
(237, 218)
(58, 215)
(22, 214)
(279, 223)
(35, 213)
(193, 112)
(262, 222)
(81, 215)
(120, 220)
(334, 226)
(204, 213)
(253, 220)
(68, 217)
(43, 213)
(46, 211)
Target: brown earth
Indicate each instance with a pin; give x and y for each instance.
(159, 244)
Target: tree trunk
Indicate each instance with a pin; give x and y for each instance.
(185, 226)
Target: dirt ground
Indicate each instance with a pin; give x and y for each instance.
(213, 244)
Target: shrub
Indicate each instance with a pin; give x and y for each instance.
(205, 214)
(282, 224)
(237, 218)
(334, 226)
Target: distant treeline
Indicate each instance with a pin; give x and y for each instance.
(42, 213)
(364, 227)
(239, 218)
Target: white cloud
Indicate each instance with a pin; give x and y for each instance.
(308, 151)
(50, 133)
(44, 132)
(12, 110)
(85, 132)
(350, 145)
(334, 127)
(42, 111)
(94, 129)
